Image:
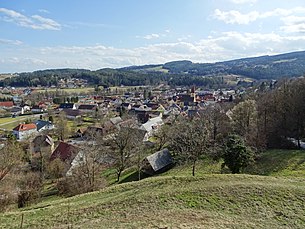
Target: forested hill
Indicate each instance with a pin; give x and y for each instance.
(174, 73)
(263, 67)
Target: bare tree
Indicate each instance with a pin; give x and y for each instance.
(83, 176)
(126, 142)
(162, 136)
(29, 188)
(10, 157)
(91, 159)
(191, 140)
(62, 128)
(56, 168)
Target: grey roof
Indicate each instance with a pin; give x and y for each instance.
(42, 123)
(160, 159)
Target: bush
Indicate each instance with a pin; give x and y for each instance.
(237, 155)
(29, 189)
(78, 183)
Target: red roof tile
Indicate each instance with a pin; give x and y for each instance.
(25, 127)
(65, 152)
(7, 104)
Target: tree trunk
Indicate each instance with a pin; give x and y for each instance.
(194, 165)
(118, 175)
(299, 143)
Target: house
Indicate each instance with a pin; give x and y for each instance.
(37, 109)
(23, 131)
(87, 107)
(116, 120)
(151, 125)
(186, 100)
(16, 111)
(65, 152)
(7, 104)
(72, 114)
(94, 131)
(157, 162)
(126, 106)
(26, 108)
(44, 125)
(42, 144)
(64, 106)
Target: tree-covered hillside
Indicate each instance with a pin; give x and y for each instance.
(263, 67)
(175, 73)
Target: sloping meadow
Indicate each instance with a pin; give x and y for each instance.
(208, 201)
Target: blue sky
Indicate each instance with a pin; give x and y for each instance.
(94, 34)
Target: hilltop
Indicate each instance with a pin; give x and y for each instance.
(178, 200)
(209, 201)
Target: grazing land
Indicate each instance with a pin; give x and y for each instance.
(209, 201)
(178, 200)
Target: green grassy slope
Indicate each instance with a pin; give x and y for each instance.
(288, 163)
(208, 201)
(280, 163)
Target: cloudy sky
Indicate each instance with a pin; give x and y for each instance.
(94, 34)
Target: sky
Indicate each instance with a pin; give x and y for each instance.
(95, 34)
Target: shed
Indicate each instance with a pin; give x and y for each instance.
(157, 162)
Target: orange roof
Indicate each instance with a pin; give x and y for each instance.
(25, 127)
(6, 104)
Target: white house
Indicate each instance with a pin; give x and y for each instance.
(151, 125)
(23, 131)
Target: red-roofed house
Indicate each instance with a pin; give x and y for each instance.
(23, 131)
(66, 152)
(7, 104)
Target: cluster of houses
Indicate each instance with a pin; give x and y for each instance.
(132, 110)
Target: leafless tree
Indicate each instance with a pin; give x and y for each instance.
(191, 140)
(126, 143)
(10, 157)
(62, 128)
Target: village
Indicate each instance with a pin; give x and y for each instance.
(60, 130)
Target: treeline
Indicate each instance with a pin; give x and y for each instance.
(107, 78)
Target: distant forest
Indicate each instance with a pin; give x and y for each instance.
(175, 73)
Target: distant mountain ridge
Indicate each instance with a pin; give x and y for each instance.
(262, 67)
(174, 73)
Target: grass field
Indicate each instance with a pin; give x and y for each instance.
(9, 123)
(10, 119)
(209, 201)
(273, 199)
(67, 90)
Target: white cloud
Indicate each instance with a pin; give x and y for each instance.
(44, 11)
(236, 17)
(151, 36)
(293, 24)
(10, 42)
(244, 1)
(184, 38)
(155, 35)
(33, 22)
